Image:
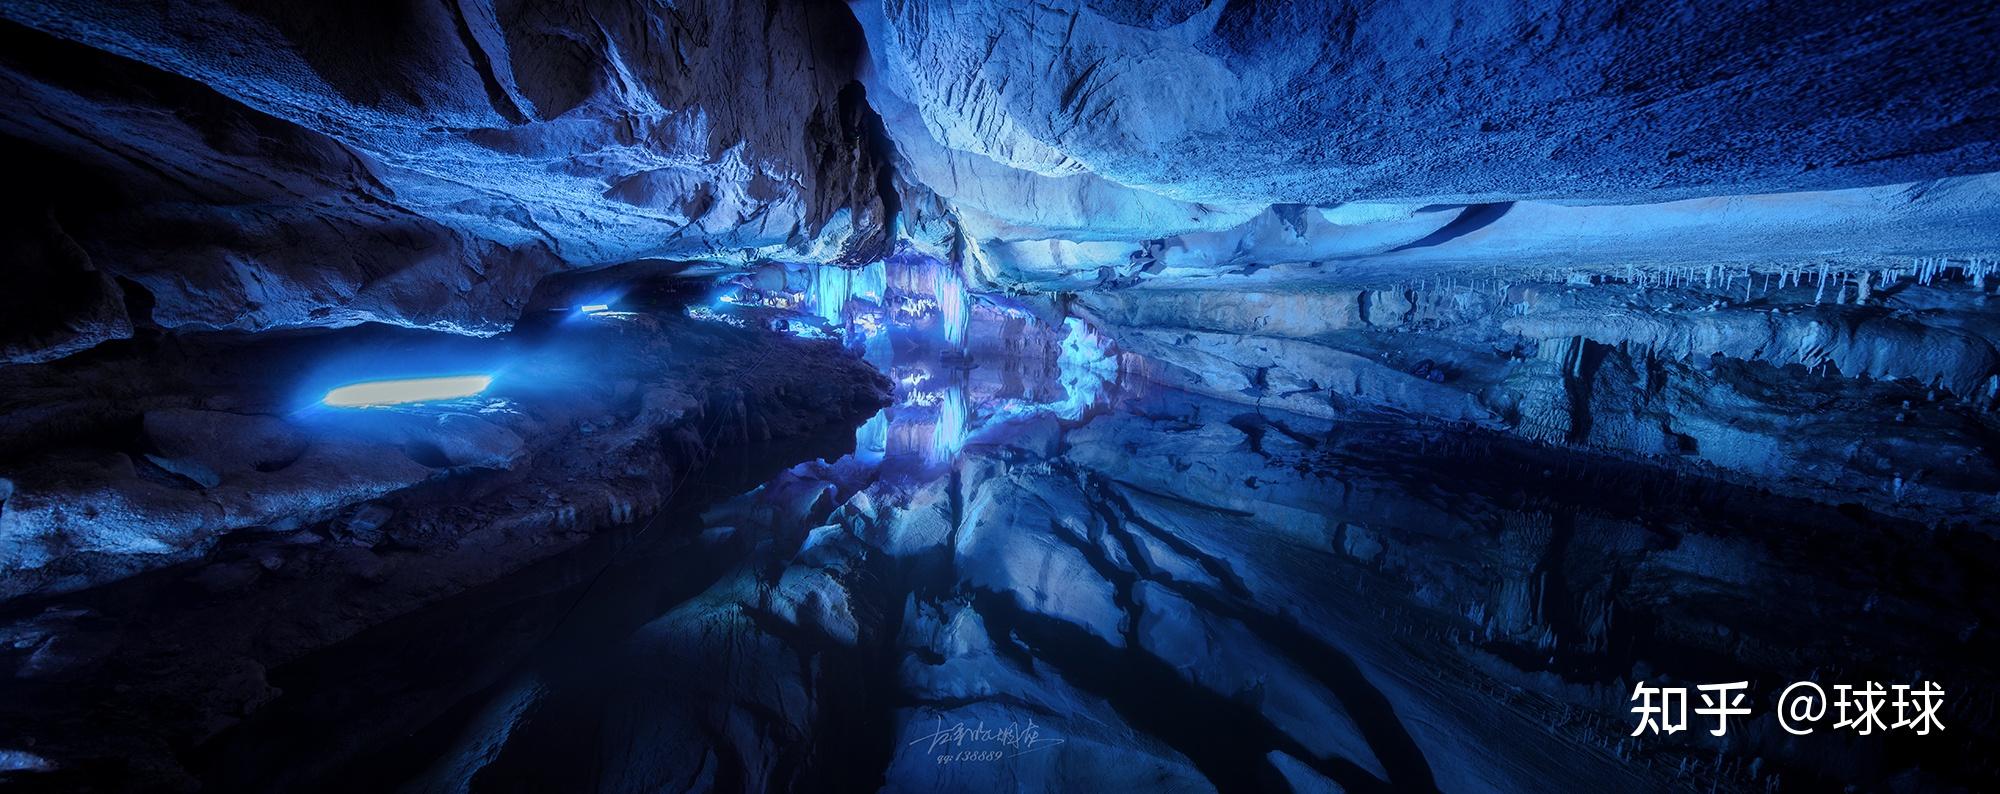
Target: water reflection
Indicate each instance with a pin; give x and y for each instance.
(960, 365)
(1231, 586)
(946, 395)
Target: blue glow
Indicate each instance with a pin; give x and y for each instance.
(833, 286)
(949, 435)
(402, 391)
(708, 315)
(871, 440)
(1086, 365)
(953, 317)
(591, 308)
(1086, 368)
(805, 331)
(911, 377)
(829, 293)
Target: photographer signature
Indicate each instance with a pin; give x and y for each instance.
(977, 742)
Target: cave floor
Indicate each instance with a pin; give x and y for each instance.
(1025, 575)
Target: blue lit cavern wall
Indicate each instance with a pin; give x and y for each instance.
(911, 395)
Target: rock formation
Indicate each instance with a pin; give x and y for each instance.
(1315, 394)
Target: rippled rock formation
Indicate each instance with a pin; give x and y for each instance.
(1250, 104)
(266, 165)
(1888, 402)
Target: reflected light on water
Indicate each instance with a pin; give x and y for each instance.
(406, 390)
(948, 436)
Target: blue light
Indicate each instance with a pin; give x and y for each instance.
(593, 308)
(954, 316)
(948, 436)
(406, 390)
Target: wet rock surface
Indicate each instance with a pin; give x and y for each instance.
(230, 530)
(1306, 396)
(1808, 386)
(146, 456)
(1164, 592)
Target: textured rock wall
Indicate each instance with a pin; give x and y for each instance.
(1888, 400)
(1332, 101)
(146, 456)
(258, 165)
(1357, 245)
(1085, 142)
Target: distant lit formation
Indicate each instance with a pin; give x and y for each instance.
(403, 391)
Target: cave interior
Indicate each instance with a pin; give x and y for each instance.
(969, 395)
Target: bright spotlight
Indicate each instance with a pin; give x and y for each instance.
(406, 390)
(593, 308)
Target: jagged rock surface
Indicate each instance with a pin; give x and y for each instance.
(1890, 402)
(1336, 604)
(150, 458)
(260, 165)
(1533, 348)
(1325, 102)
